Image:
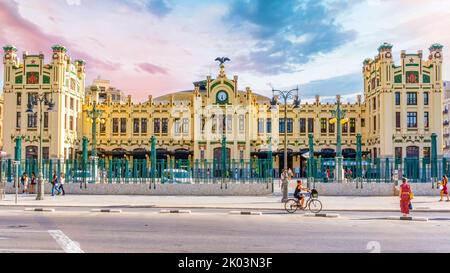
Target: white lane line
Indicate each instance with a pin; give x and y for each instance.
(64, 242)
(15, 250)
(22, 231)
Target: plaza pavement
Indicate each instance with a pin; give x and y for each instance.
(270, 202)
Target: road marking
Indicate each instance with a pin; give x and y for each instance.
(14, 250)
(64, 242)
(107, 210)
(246, 212)
(174, 211)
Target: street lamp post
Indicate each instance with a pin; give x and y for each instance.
(339, 119)
(39, 100)
(285, 95)
(94, 116)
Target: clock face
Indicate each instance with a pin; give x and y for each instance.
(222, 96)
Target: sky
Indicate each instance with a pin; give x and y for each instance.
(155, 47)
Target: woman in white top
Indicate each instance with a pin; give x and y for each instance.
(62, 180)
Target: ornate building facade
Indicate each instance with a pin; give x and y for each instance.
(401, 108)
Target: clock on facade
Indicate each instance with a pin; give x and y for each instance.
(222, 97)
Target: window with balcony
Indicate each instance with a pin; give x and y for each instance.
(331, 127)
(177, 126)
(345, 128)
(290, 128)
(185, 128)
(352, 125)
(310, 125)
(269, 126)
(281, 125)
(32, 120)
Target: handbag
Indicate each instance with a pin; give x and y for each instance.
(410, 205)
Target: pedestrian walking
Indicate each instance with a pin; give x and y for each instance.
(282, 177)
(25, 183)
(33, 183)
(406, 195)
(444, 188)
(54, 184)
(62, 180)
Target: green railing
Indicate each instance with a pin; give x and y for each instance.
(141, 171)
(380, 170)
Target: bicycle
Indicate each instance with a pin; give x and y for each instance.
(313, 203)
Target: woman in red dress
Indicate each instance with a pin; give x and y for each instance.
(405, 198)
(444, 190)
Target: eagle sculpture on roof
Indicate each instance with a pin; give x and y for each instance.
(222, 60)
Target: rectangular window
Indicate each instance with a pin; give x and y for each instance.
(411, 98)
(71, 104)
(352, 125)
(32, 120)
(19, 99)
(65, 121)
(412, 119)
(241, 124)
(177, 126)
(260, 126)
(31, 97)
(426, 119)
(229, 123)
(71, 123)
(135, 126)
(165, 125)
(123, 125)
(143, 126)
(46, 120)
(102, 128)
(374, 104)
(374, 123)
(18, 119)
(281, 125)
(363, 122)
(345, 128)
(397, 98)
(425, 98)
(398, 124)
(156, 126)
(302, 125)
(331, 127)
(269, 126)
(323, 125)
(185, 126)
(115, 126)
(310, 125)
(290, 128)
(45, 153)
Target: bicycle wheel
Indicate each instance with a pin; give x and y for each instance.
(315, 206)
(291, 205)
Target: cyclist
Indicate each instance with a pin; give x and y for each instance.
(299, 195)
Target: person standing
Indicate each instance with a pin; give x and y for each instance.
(33, 183)
(444, 190)
(54, 183)
(62, 180)
(283, 180)
(405, 197)
(25, 183)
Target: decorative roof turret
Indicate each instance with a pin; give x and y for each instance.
(385, 46)
(8, 48)
(436, 46)
(59, 48)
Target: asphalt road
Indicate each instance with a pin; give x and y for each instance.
(146, 230)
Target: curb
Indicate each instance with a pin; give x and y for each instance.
(40, 209)
(174, 211)
(246, 212)
(409, 218)
(107, 210)
(328, 215)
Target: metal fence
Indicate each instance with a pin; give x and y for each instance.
(381, 170)
(141, 171)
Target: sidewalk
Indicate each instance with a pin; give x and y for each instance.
(341, 203)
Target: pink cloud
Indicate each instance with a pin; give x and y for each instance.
(152, 69)
(24, 34)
